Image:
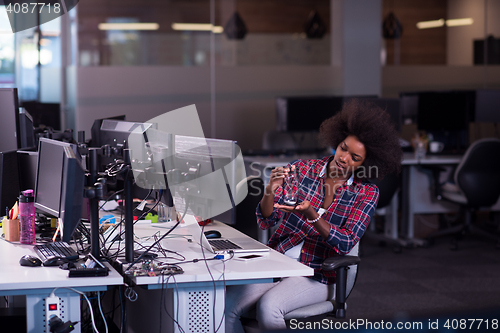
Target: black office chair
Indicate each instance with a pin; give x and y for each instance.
(476, 184)
(387, 187)
(346, 269)
(246, 221)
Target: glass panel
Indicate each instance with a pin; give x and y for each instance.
(438, 32)
(50, 60)
(275, 33)
(7, 54)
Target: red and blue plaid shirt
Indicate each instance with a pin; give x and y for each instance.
(349, 214)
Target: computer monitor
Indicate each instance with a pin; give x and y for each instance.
(446, 115)
(95, 131)
(26, 130)
(392, 106)
(60, 184)
(115, 134)
(206, 175)
(9, 125)
(9, 180)
(27, 161)
(306, 113)
(487, 106)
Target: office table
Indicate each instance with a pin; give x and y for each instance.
(36, 283)
(196, 297)
(417, 196)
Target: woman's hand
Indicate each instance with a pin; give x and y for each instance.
(304, 208)
(277, 177)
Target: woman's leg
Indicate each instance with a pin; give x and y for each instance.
(241, 299)
(287, 295)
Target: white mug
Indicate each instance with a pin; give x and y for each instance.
(436, 147)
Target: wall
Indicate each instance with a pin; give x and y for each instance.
(461, 39)
(245, 96)
(396, 79)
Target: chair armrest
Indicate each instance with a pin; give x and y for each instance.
(333, 263)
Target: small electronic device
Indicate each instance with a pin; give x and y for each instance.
(249, 257)
(92, 267)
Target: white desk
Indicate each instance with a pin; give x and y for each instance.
(36, 283)
(193, 295)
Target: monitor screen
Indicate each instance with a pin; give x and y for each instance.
(9, 126)
(443, 111)
(392, 106)
(59, 183)
(28, 162)
(306, 113)
(9, 180)
(446, 115)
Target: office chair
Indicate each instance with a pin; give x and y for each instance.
(246, 220)
(476, 184)
(387, 187)
(346, 268)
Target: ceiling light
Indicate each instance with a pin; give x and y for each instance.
(442, 22)
(197, 27)
(129, 26)
(459, 22)
(430, 24)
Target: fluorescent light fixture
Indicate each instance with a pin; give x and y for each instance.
(197, 27)
(430, 24)
(128, 26)
(459, 22)
(442, 22)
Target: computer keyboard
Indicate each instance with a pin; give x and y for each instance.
(223, 244)
(57, 249)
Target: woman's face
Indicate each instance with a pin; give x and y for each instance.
(349, 156)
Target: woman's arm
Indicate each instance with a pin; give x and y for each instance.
(342, 239)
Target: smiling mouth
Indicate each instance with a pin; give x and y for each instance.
(339, 165)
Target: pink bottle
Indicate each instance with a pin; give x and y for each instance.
(27, 217)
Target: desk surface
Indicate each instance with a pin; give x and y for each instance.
(408, 159)
(274, 265)
(17, 279)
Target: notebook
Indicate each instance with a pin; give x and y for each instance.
(237, 245)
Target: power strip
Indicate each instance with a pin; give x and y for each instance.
(52, 309)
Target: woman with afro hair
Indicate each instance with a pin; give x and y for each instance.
(336, 203)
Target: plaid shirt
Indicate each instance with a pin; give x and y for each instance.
(349, 214)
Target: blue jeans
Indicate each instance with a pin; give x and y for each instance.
(272, 301)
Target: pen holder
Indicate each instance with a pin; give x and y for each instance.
(11, 230)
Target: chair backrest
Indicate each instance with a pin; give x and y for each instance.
(478, 174)
(387, 187)
(246, 221)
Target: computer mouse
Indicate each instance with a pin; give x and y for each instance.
(211, 234)
(55, 261)
(29, 260)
